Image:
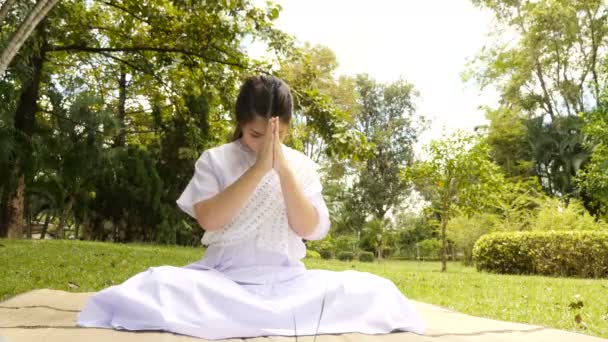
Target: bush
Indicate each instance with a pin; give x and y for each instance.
(388, 252)
(319, 245)
(429, 249)
(313, 254)
(346, 243)
(366, 256)
(346, 256)
(324, 247)
(465, 231)
(326, 253)
(555, 253)
(555, 215)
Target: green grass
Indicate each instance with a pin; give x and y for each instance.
(90, 266)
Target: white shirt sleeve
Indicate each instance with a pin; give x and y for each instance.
(203, 185)
(313, 191)
(323, 226)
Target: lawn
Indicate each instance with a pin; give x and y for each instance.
(90, 266)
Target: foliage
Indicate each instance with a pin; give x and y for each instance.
(458, 175)
(555, 214)
(366, 256)
(465, 231)
(429, 249)
(346, 256)
(555, 253)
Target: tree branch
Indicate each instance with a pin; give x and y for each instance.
(81, 48)
(26, 28)
(112, 4)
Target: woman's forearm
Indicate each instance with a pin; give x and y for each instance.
(302, 215)
(217, 211)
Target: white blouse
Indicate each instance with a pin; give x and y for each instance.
(261, 224)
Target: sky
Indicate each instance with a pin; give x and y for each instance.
(426, 42)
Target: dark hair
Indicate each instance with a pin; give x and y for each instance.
(264, 96)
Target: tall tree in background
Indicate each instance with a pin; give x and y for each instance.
(324, 128)
(387, 118)
(459, 175)
(164, 69)
(547, 75)
(594, 178)
(325, 107)
(25, 29)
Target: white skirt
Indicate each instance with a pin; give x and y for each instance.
(200, 301)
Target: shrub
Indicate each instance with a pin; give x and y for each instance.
(429, 249)
(555, 253)
(346, 256)
(366, 256)
(313, 254)
(326, 253)
(324, 247)
(346, 243)
(388, 252)
(555, 215)
(465, 231)
(319, 245)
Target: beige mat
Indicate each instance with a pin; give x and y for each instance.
(49, 315)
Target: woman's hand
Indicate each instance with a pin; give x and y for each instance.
(280, 164)
(265, 155)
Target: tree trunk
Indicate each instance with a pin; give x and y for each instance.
(444, 250)
(64, 217)
(114, 231)
(96, 228)
(85, 232)
(16, 218)
(25, 118)
(4, 208)
(46, 226)
(122, 100)
(28, 215)
(444, 224)
(26, 28)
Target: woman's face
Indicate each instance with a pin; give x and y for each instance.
(254, 132)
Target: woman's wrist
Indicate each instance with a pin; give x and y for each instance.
(258, 171)
(284, 170)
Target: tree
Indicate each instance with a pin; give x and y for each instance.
(459, 175)
(379, 237)
(549, 74)
(324, 107)
(593, 179)
(167, 71)
(507, 137)
(38, 13)
(387, 118)
(324, 128)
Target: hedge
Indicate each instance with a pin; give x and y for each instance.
(366, 256)
(554, 253)
(346, 256)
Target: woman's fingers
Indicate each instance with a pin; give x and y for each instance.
(276, 131)
(268, 137)
(265, 156)
(274, 127)
(270, 130)
(271, 140)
